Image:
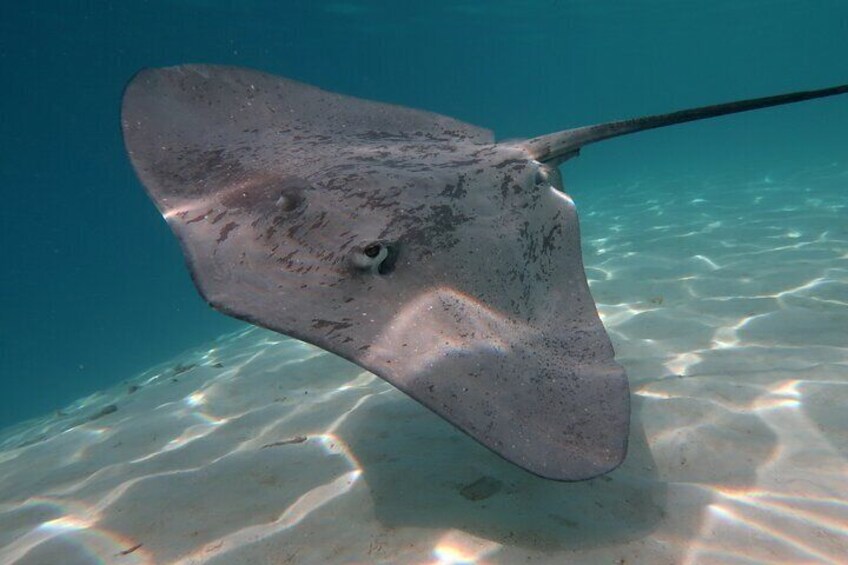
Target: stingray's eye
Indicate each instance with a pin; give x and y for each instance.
(377, 258)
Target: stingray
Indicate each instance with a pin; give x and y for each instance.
(407, 242)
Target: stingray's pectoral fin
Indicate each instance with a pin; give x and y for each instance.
(557, 147)
(547, 396)
(562, 425)
(567, 425)
(404, 241)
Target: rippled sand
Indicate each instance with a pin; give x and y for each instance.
(728, 305)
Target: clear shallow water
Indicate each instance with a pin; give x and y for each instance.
(730, 313)
(716, 253)
(94, 286)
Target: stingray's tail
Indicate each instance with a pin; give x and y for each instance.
(555, 148)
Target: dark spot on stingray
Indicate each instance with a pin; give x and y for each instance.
(267, 194)
(200, 217)
(505, 186)
(192, 169)
(463, 163)
(508, 163)
(455, 190)
(548, 239)
(333, 325)
(225, 231)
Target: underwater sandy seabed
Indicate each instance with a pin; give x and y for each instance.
(727, 302)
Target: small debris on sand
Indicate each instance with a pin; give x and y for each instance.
(180, 368)
(481, 489)
(296, 439)
(105, 411)
(130, 550)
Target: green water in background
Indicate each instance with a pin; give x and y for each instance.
(93, 286)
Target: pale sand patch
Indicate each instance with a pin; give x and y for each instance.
(728, 306)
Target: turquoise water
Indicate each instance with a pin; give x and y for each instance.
(716, 251)
(256, 448)
(94, 287)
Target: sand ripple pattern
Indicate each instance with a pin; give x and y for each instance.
(727, 301)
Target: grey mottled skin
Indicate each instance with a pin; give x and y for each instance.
(407, 242)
